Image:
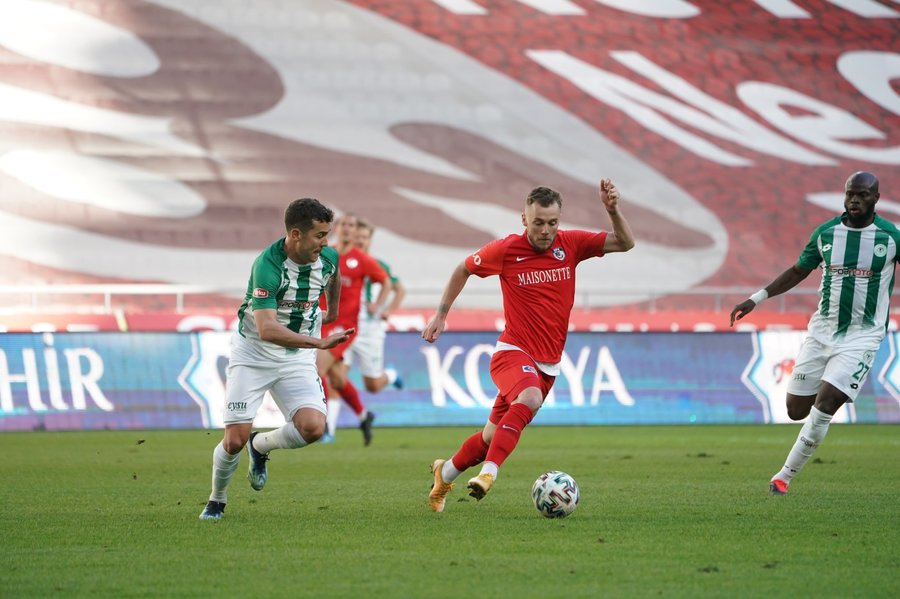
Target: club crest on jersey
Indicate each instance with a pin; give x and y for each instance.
(559, 254)
(260, 292)
(476, 259)
(527, 368)
(352, 263)
(880, 250)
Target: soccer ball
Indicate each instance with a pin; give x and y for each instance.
(555, 494)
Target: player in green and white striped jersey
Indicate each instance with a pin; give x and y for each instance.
(274, 348)
(857, 252)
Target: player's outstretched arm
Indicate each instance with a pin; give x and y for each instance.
(274, 332)
(786, 281)
(386, 289)
(375, 272)
(399, 294)
(454, 287)
(621, 239)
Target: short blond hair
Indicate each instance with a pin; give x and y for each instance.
(544, 196)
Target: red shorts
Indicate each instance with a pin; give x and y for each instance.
(336, 327)
(514, 371)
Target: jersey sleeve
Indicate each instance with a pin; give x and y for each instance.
(810, 257)
(587, 244)
(265, 279)
(488, 260)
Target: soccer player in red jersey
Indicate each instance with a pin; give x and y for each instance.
(366, 351)
(355, 267)
(537, 281)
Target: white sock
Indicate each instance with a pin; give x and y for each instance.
(489, 468)
(363, 415)
(391, 375)
(334, 410)
(286, 437)
(811, 435)
(224, 465)
(449, 471)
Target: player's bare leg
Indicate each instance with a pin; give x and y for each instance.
(390, 376)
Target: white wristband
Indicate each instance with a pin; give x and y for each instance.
(759, 297)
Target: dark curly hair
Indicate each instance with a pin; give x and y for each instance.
(301, 213)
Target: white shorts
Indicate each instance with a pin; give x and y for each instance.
(845, 366)
(293, 385)
(367, 350)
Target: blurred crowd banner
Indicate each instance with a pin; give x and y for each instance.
(177, 131)
(90, 381)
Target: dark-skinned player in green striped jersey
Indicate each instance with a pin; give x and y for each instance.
(858, 253)
(274, 348)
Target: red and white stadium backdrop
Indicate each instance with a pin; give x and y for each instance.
(160, 141)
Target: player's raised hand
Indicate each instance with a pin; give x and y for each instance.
(337, 338)
(609, 195)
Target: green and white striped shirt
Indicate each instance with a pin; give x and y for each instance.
(293, 291)
(857, 278)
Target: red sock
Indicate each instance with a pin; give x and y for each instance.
(471, 453)
(508, 432)
(351, 396)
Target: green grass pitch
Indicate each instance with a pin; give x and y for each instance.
(665, 512)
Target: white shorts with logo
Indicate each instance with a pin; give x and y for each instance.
(844, 365)
(293, 384)
(367, 350)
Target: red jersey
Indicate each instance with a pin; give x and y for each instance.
(538, 287)
(356, 266)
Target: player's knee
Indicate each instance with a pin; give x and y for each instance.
(797, 413)
(311, 431)
(532, 400)
(373, 385)
(233, 444)
(798, 406)
(797, 410)
(830, 404)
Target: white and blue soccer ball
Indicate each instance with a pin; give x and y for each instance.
(555, 494)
